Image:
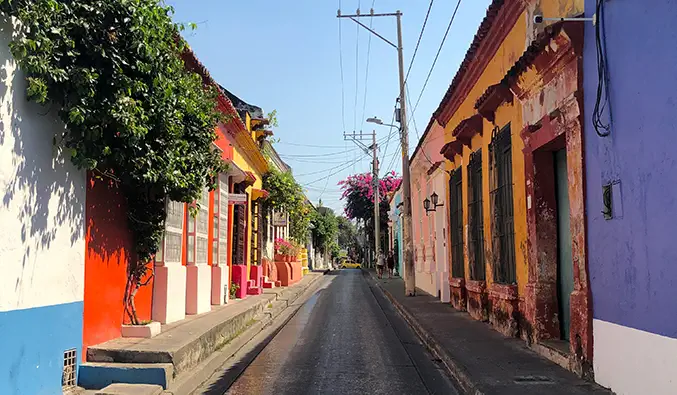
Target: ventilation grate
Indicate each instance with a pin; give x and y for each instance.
(69, 364)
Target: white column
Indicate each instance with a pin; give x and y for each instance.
(198, 272)
(220, 280)
(169, 284)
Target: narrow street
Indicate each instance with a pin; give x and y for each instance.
(346, 339)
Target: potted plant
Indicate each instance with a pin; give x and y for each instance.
(279, 249)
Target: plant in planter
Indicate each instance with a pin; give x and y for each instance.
(283, 249)
(233, 289)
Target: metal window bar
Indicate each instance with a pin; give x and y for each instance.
(254, 242)
(503, 229)
(476, 218)
(68, 375)
(456, 220)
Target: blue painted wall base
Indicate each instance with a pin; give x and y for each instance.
(33, 342)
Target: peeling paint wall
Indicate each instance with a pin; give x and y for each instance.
(506, 56)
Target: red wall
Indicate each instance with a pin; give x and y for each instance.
(108, 249)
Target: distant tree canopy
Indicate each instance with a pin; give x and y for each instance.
(358, 193)
(325, 229)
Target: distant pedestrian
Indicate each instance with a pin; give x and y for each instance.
(391, 264)
(379, 265)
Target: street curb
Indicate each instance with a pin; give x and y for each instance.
(455, 370)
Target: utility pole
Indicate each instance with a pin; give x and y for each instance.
(377, 199)
(409, 272)
(357, 138)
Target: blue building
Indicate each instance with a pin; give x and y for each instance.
(631, 193)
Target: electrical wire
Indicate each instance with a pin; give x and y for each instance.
(343, 89)
(318, 155)
(357, 68)
(418, 42)
(390, 132)
(330, 175)
(602, 98)
(392, 161)
(312, 146)
(366, 73)
(413, 119)
(432, 67)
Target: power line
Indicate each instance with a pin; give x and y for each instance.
(425, 21)
(392, 161)
(357, 68)
(318, 155)
(413, 119)
(366, 73)
(330, 175)
(343, 89)
(311, 146)
(390, 132)
(453, 16)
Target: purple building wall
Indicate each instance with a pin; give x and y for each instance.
(633, 256)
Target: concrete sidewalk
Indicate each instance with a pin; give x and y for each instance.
(182, 345)
(479, 358)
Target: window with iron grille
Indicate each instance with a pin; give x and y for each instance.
(256, 241)
(456, 221)
(503, 229)
(68, 375)
(475, 218)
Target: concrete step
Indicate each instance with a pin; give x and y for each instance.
(131, 389)
(254, 291)
(97, 375)
(268, 284)
(185, 343)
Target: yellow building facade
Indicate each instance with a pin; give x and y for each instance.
(487, 192)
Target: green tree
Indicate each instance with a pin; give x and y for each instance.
(134, 114)
(325, 229)
(347, 235)
(286, 195)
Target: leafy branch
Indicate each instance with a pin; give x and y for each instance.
(132, 110)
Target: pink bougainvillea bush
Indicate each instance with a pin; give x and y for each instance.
(283, 247)
(358, 193)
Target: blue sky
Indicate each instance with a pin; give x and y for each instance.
(284, 56)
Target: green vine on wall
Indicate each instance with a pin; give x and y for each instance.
(133, 113)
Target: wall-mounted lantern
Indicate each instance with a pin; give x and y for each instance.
(432, 201)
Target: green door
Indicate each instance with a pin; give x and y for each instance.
(565, 272)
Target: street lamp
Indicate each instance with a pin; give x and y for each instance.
(433, 198)
(378, 121)
(434, 201)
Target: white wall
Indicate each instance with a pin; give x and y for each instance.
(42, 201)
(630, 361)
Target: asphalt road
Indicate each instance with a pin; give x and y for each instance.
(346, 339)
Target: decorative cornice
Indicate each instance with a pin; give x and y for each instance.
(543, 56)
(451, 149)
(491, 99)
(467, 128)
(434, 167)
(500, 18)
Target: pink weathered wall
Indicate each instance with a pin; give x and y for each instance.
(426, 155)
